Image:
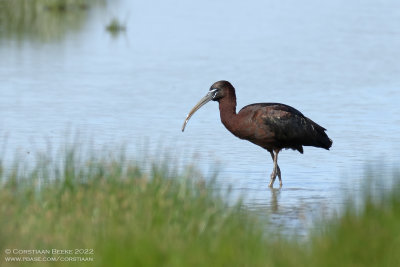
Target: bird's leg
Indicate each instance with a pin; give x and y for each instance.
(279, 170)
(279, 176)
(276, 171)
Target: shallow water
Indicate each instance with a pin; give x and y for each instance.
(335, 62)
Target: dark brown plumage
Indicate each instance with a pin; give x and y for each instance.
(272, 126)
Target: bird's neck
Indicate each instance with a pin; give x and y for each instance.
(227, 110)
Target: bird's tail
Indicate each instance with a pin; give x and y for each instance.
(322, 139)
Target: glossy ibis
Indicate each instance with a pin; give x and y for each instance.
(272, 126)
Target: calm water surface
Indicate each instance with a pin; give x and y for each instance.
(337, 62)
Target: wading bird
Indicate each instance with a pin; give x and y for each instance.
(272, 126)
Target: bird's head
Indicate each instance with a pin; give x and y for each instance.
(220, 89)
(217, 91)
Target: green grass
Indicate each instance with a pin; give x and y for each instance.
(366, 236)
(43, 20)
(114, 27)
(166, 217)
(125, 215)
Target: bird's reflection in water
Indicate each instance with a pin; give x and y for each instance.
(291, 210)
(275, 194)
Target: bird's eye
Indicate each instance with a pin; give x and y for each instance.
(214, 92)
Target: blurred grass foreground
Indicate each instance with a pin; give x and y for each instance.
(111, 212)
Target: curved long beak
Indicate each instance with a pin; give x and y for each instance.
(201, 103)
